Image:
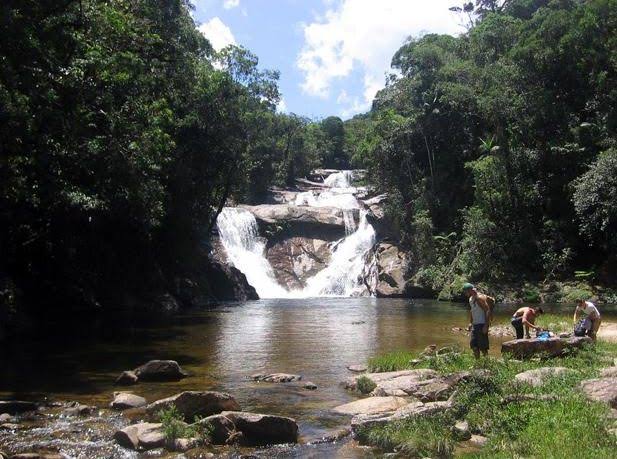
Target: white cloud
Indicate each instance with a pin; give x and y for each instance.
(363, 35)
(281, 106)
(218, 33)
(229, 4)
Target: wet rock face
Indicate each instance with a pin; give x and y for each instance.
(325, 218)
(553, 347)
(391, 266)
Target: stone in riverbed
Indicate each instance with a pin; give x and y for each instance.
(310, 385)
(126, 400)
(358, 368)
(195, 403)
(77, 409)
(160, 370)
(539, 376)
(372, 405)
(552, 347)
(17, 406)
(144, 435)
(263, 429)
(276, 377)
(601, 390)
(126, 378)
(221, 428)
(5, 417)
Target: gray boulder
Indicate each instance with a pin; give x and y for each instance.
(220, 427)
(144, 435)
(126, 400)
(384, 377)
(323, 217)
(372, 405)
(160, 370)
(263, 429)
(539, 376)
(601, 390)
(195, 403)
(126, 378)
(276, 377)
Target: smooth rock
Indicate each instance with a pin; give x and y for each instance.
(144, 435)
(310, 385)
(263, 429)
(276, 377)
(539, 376)
(478, 440)
(552, 347)
(5, 417)
(410, 410)
(160, 370)
(220, 427)
(601, 390)
(195, 403)
(461, 430)
(372, 405)
(182, 445)
(325, 217)
(379, 378)
(77, 409)
(424, 384)
(17, 406)
(610, 372)
(126, 378)
(358, 368)
(126, 400)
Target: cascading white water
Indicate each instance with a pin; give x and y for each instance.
(341, 277)
(245, 249)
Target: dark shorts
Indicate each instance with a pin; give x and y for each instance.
(479, 340)
(517, 323)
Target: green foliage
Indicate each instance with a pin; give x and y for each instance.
(365, 385)
(174, 427)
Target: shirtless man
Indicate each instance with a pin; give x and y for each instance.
(525, 317)
(592, 313)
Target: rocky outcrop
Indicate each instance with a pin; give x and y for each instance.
(144, 435)
(276, 377)
(320, 217)
(372, 405)
(539, 376)
(126, 400)
(393, 379)
(160, 370)
(388, 271)
(227, 283)
(195, 403)
(601, 390)
(552, 347)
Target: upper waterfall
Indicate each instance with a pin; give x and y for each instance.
(341, 275)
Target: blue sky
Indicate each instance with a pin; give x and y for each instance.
(332, 54)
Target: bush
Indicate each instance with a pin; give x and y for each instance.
(174, 427)
(365, 385)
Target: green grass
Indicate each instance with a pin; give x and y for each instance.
(568, 426)
(174, 427)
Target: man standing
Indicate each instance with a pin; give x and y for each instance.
(589, 309)
(480, 316)
(525, 317)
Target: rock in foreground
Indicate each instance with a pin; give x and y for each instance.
(552, 347)
(372, 405)
(601, 390)
(125, 401)
(539, 376)
(144, 435)
(195, 403)
(263, 429)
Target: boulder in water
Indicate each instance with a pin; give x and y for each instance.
(126, 378)
(144, 435)
(160, 370)
(372, 405)
(276, 377)
(263, 429)
(195, 403)
(126, 400)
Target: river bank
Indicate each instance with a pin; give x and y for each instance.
(221, 348)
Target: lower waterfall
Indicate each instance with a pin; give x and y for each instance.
(245, 249)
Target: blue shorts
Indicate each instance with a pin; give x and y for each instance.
(479, 339)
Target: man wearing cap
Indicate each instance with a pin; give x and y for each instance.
(480, 316)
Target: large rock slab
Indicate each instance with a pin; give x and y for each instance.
(326, 217)
(263, 429)
(126, 400)
(144, 435)
(372, 405)
(160, 370)
(601, 390)
(195, 403)
(552, 347)
(382, 377)
(363, 421)
(539, 376)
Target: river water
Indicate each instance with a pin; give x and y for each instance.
(221, 347)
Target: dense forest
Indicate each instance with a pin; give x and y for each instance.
(123, 134)
(498, 148)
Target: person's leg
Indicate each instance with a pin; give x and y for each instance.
(473, 342)
(518, 327)
(595, 326)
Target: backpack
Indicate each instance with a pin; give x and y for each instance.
(582, 327)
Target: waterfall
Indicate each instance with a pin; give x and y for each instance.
(343, 274)
(245, 250)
